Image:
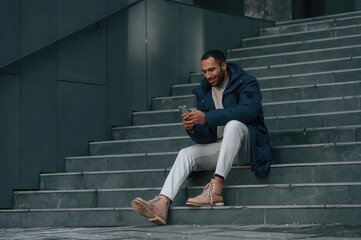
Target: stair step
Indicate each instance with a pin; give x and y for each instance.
(314, 120)
(280, 44)
(276, 123)
(306, 67)
(344, 32)
(281, 152)
(316, 135)
(234, 195)
(120, 162)
(149, 131)
(149, 145)
(169, 144)
(295, 107)
(293, 136)
(345, 75)
(289, 80)
(311, 26)
(319, 18)
(165, 160)
(271, 95)
(273, 214)
(298, 56)
(332, 170)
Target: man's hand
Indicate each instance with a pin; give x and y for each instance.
(188, 124)
(197, 117)
(192, 118)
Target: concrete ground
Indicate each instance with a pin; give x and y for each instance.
(296, 231)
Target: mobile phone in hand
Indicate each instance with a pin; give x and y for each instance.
(184, 109)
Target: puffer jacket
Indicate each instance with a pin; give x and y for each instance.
(242, 101)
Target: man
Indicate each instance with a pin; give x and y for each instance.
(228, 127)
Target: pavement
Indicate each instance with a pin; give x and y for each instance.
(294, 231)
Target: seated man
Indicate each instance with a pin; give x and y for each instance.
(228, 127)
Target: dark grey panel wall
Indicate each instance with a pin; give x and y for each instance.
(82, 57)
(82, 91)
(178, 35)
(164, 46)
(357, 5)
(69, 10)
(9, 137)
(336, 6)
(39, 117)
(39, 23)
(229, 6)
(82, 118)
(126, 64)
(311, 8)
(9, 29)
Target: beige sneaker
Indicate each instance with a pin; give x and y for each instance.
(211, 196)
(156, 210)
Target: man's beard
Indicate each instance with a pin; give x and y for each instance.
(220, 78)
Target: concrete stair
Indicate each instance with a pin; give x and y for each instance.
(310, 75)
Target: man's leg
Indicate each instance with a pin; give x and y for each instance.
(194, 158)
(199, 157)
(235, 149)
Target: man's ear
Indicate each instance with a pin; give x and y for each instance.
(224, 66)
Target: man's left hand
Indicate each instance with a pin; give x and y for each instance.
(197, 117)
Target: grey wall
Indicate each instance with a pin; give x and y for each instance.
(56, 100)
(177, 35)
(31, 24)
(269, 9)
(336, 6)
(314, 8)
(229, 6)
(9, 137)
(159, 43)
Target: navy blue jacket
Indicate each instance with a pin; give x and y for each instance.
(242, 101)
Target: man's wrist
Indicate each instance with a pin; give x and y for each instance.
(191, 131)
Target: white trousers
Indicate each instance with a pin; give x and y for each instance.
(234, 149)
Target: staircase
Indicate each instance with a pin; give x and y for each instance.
(310, 75)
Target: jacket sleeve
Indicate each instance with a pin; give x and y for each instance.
(203, 134)
(245, 111)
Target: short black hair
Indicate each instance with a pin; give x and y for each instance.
(216, 54)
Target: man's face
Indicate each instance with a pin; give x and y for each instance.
(213, 72)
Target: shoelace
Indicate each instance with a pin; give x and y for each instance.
(157, 199)
(210, 187)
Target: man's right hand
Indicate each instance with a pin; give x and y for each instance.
(189, 125)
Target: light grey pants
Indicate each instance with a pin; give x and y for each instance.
(234, 149)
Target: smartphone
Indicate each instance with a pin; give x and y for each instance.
(183, 109)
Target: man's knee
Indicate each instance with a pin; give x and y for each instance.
(185, 155)
(235, 126)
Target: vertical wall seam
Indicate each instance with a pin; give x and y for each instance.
(109, 122)
(57, 84)
(21, 177)
(146, 53)
(181, 43)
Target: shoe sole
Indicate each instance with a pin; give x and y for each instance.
(203, 205)
(146, 212)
